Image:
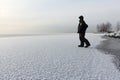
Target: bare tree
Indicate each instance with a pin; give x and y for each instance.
(118, 26)
(104, 27)
(98, 28)
(108, 27)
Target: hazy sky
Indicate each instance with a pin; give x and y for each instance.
(43, 16)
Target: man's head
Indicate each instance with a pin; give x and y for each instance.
(81, 17)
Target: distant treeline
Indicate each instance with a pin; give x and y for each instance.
(107, 27)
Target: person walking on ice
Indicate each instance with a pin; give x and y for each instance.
(82, 26)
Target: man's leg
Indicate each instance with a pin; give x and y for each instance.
(85, 40)
(81, 41)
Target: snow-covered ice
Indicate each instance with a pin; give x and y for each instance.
(54, 57)
(113, 34)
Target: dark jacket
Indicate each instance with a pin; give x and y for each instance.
(82, 27)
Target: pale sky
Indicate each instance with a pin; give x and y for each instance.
(44, 16)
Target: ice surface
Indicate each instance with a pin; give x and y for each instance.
(54, 57)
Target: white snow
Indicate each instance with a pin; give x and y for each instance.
(54, 57)
(113, 34)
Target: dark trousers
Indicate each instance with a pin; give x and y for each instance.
(83, 39)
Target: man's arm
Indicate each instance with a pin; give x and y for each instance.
(78, 31)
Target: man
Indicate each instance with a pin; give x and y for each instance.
(81, 30)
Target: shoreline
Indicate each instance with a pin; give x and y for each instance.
(111, 46)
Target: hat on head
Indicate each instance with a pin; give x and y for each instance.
(81, 17)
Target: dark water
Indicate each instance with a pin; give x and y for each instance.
(111, 46)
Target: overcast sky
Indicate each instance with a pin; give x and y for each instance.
(44, 16)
